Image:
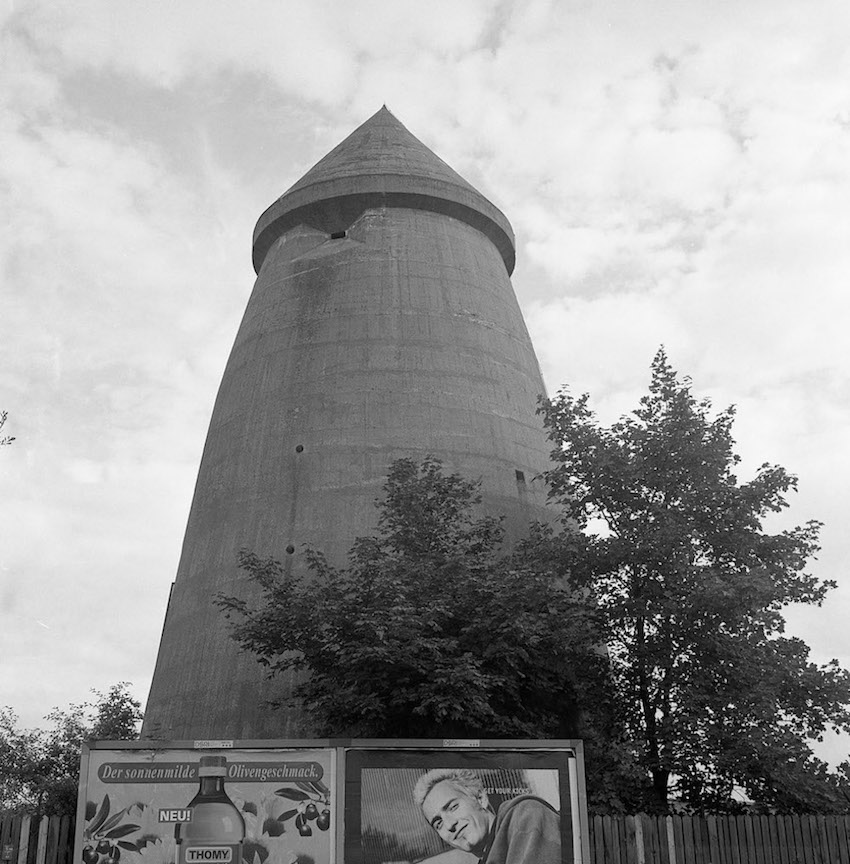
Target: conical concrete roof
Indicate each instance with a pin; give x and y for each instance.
(381, 145)
(380, 164)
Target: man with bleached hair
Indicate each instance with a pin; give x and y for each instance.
(526, 830)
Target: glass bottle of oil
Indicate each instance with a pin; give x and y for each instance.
(215, 829)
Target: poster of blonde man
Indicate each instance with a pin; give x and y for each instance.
(525, 829)
(406, 806)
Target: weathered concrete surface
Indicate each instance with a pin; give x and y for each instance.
(380, 164)
(403, 338)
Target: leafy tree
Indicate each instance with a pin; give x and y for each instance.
(20, 762)
(692, 589)
(5, 439)
(39, 768)
(429, 630)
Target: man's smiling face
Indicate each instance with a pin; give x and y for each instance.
(462, 820)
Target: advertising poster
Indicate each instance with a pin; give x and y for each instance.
(461, 806)
(195, 806)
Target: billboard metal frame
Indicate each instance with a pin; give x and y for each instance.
(573, 748)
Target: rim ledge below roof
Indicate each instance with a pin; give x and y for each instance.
(332, 200)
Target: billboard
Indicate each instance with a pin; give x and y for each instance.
(459, 806)
(173, 805)
(357, 802)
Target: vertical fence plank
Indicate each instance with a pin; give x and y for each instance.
(5, 830)
(816, 840)
(618, 836)
(767, 841)
(818, 831)
(688, 837)
(810, 841)
(732, 855)
(777, 835)
(612, 840)
(598, 842)
(764, 841)
(24, 842)
(657, 849)
(35, 834)
(65, 850)
(841, 832)
(627, 839)
(15, 837)
(41, 848)
(52, 840)
(795, 839)
(723, 844)
(736, 840)
(754, 842)
(820, 851)
(607, 839)
(837, 832)
(670, 831)
(680, 840)
(696, 839)
(826, 842)
(809, 851)
(653, 847)
(701, 841)
(782, 840)
(749, 841)
(713, 840)
(640, 847)
(648, 841)
(804, 846)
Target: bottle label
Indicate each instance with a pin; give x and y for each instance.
(220, 853)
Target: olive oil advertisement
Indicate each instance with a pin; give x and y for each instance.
(206, 806)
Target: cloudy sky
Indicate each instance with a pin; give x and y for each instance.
(676, 171)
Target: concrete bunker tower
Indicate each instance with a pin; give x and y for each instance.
(382, 324)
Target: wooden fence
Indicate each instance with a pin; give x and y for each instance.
(36, 839)
(771, 839)
(613, 840)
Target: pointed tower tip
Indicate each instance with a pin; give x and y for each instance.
(381, 163)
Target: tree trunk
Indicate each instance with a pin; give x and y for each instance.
(660, 780)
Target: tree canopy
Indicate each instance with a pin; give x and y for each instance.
(39, 768)
(691, 587)
(430, 630)
(5, 439)
(651, 624)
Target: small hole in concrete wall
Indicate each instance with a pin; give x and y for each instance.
(338, 235)
(520, 476)
(299, 448)
(290, 549)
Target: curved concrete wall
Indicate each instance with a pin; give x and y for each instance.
(403, 338)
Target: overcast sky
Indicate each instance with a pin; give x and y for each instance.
(677, 172)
